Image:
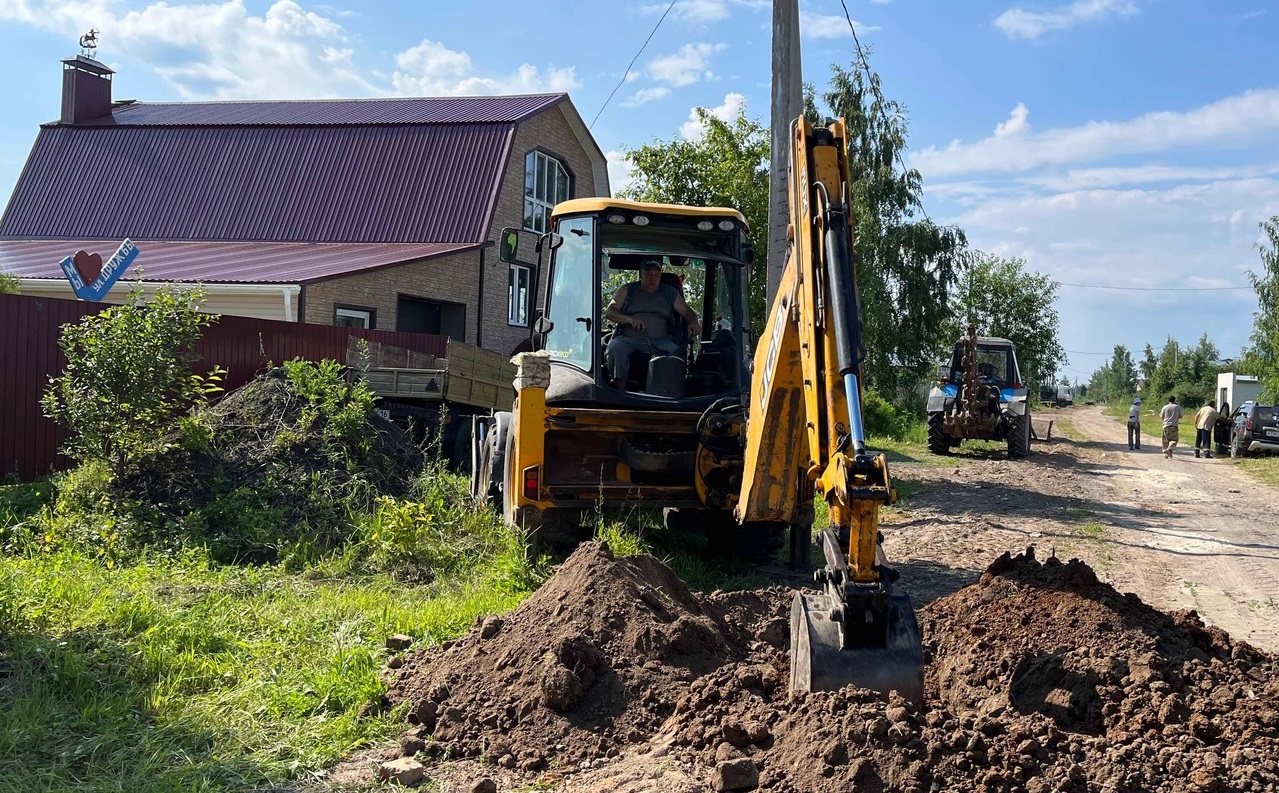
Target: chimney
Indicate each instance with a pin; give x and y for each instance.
(86, 89)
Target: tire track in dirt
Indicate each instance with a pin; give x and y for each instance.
(1182, 533)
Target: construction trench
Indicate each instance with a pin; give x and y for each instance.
(1038, 677)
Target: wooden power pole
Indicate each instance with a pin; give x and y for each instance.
(787, 104)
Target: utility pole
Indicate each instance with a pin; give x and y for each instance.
(788, 103)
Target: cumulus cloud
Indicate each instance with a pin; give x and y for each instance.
(431, 69)
(223, 51)
(1016, 23)
(828, 26)
(1013, 147)
(646, 95)
(733, 106)
(685, 67)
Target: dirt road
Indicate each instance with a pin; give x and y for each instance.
(1183, 533)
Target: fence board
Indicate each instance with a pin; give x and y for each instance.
(29, 356)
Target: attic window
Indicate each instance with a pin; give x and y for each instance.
(546, 183)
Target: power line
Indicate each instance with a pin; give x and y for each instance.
(1158, 288)
(651, 33)
(1080, 352)
(870, 80)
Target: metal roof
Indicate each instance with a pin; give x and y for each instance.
(330, 112)
(223, 262)
(368, 183)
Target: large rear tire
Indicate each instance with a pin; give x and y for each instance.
(1019, 437)
(938, 440)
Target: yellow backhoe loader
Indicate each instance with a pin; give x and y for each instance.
(730, 445)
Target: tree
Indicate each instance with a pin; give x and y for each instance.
(1263, 357)
(1116, 379)
(128, 375)
(906, 264)
(1003, 299)
(1148, 365)
(726, 166)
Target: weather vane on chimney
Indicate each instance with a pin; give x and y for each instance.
(89, 43)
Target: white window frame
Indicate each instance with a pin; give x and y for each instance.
(541, 195)
(517, 299)
(355, 313)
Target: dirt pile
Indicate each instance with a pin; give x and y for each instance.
(1039, 678)
(596, 660)
(269, 449)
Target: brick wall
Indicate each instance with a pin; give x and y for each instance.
(550, 132)
(455, 278)
(452, 278)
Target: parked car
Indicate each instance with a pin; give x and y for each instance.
(1256, 429)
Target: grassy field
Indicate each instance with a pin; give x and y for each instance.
(171, 674)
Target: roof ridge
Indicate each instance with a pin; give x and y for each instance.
(458, 98)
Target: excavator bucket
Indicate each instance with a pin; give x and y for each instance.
(841, 637)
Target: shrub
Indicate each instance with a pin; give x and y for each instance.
(883, 418)
(129, 376)
(8, 284)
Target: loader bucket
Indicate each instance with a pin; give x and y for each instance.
(821, 662)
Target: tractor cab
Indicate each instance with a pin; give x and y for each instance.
(596, 247)
(996, 365)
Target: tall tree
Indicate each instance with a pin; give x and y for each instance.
(1003, 299)
(726, 166)
(1263, 357)
(1148, 364)
(906, 263)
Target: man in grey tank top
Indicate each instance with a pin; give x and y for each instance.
(643, 311)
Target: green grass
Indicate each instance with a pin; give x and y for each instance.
(171, 675)
(1264, 469)
(21, 501)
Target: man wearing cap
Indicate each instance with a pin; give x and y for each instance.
(1134, 424)
(643, 310)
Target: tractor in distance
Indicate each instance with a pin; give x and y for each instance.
(980, 395)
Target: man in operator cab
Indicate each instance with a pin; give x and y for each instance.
(643, 311)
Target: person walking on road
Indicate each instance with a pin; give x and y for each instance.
(1134, 425)
(1171, 414)
(1205, 421)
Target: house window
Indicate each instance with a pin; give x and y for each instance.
(353, 317)
(517, 284)
(546, 183)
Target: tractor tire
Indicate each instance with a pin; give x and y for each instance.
(1019, 437)
(490, 470)
(938, 441)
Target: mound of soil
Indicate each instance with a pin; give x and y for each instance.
(595, 660)
(265, 439)
(1039, 678)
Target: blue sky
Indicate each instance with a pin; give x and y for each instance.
(1114, 142)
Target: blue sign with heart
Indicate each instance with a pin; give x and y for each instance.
(90, 278)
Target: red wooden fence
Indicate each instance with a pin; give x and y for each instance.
(29, 356)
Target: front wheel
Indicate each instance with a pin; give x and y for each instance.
(1235, 450)
(938, 441)
(1019, 437)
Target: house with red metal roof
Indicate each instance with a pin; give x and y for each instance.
(379, 213)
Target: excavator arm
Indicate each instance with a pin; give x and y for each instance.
(804, 434)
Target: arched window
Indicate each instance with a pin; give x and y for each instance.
(546, 183)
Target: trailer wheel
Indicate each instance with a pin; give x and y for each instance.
(1019, 436)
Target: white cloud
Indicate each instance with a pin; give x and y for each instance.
(829, 26)
(705, 11)
(215, 50)
(1232, 121)
(733, 106)
(1016, 23)
(431, 69)
(222, 51)
(646, 95)
(619, 171)
(685, 67)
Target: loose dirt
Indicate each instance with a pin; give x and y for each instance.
(614, 676)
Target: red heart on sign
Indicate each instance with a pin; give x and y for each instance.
(89, 265)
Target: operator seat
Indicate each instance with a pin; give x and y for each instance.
(637, 378)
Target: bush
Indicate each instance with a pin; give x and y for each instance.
(128, 375)
(884, 419)
(8, 284)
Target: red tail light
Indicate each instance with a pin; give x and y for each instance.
(531, 483)
(1248, 424)
(1016, 385)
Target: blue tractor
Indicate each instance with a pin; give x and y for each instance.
(980, 395)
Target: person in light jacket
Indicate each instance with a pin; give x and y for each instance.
(1134, 424)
